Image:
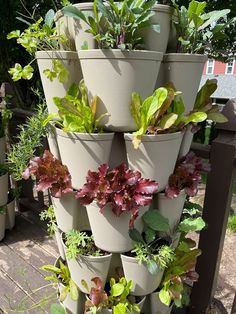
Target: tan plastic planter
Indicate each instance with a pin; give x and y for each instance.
(3, 189)
(52, 142)
(185, 72)
(55, 88)
(111, 233)
(171, 208)
(10, 214)
(61, 250)
(156, 156)
(113, 76)
(82, 152)
(156, 306)
(143, 281)
(65, 27)
(69, 213)
(158, 41)
(186, 142)
(2, 225)
(2, 149)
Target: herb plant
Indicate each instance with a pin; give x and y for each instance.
(49, 216)
(61, 274)
(118, 299)
(149, 248)
(28, 140)
(121, 188)
(197, 31)
(5, 116)
(75, 113)
(186, 176)
(80, 243)
(40, 35)
(117, 25)
(49, 174)
(3, 169)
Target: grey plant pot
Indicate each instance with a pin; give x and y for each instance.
(52, 142)
(61, 249)
(190, 66)
(2, 149)
(2, 225)
(88, 267)
(69, 213)
(153, 40)
(156, 306)
(156, 156)
(82, 152)
(118, 74)
(3, 189)
(11, 214)
(186, 142)
(55, 88)
(171, 208)
(111, 233)
(144, 282)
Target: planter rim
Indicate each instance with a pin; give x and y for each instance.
(163, 8)
(118, 54)
(129, 259)
(84, 5)
(56, 54)
(184, 57)
(155, 137)
(85, 136)
(162, 195)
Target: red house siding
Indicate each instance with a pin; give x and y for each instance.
(219, 68)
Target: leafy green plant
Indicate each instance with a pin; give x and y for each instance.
(5, 117)
(3, 210)
(40, 35)
(3, 169)
(80, 243)
(149, 248)
(179, 271)
(61, 274)
(75, 113)
(49, 216)
(231, 225)
(197, 30)
(118, 299)
(28, 141)
(117, 25)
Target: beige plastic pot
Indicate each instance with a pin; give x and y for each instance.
(118, 151)
(143, 281)
(61, 250)
(64, 27)
(52, 142)
(115, 266)
(111, 233)
(69, 213)
(156, 306)
(158, 41)
(156, 156)
(3, 189)
(185, 72)
(82, 152)
(113, 75)
(186, 142)
(171, 208)
(2, 149)
(2, 225)
(10, 214)
(55, 88)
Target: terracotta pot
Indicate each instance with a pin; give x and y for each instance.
(2, 149)
(156, 306)
(55, 88)
(118, 74)
(82, 152)
(10, 214)
(111, 233)
(3, 189)
(143, 281)
(156, 156)
(190, 66)
(158, 41)
(186, 142)
(69, 213)
(2, 225)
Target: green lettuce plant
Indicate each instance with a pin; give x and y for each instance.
(117, 25)
(197, 31)
(75, 113)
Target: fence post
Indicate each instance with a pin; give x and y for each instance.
(216, 211)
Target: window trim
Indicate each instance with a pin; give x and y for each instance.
(227, 66)
(213, 66)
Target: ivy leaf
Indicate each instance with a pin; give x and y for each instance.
(27, 72)
(165, 297)
(51, 75)
(16, 72)
(191, 224)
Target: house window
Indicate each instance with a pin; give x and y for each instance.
(210, 66)
(230, 67)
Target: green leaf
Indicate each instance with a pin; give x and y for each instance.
(168, 121)
(217, 117)
(117, 290)
(204, 94)
(27, 72)
(135, 235)
(57, 309)
(191, 224)
(51, 75)
(63, 293)
(49, 18)
(13, 34)
(213, 17)
(73, 90)
(196, 8)
(51, 268)
(74, 12)
(165, 297)
(120, 308)
(154, 220)
(152, 267)
(74, 294)
(150, 235)
(196, 117)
